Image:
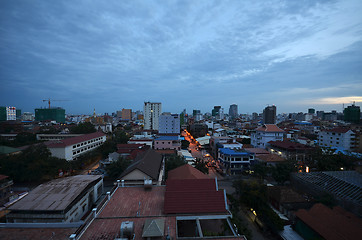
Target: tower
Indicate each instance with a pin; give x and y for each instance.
(151, 112)
(270, 114)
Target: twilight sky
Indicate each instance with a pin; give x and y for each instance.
(195, 54)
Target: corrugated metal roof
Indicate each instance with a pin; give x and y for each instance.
(55, 195)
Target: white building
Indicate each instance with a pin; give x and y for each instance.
(340, 138)
(152, 112)
(71, 148)
(265, 134)
(169, 123)
(63, 200)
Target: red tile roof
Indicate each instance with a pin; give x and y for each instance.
(290, 145)
(332, 224)
(270, 158)
(269, 128)
(193, 196)
(74, 140)
(36, 233)
(186, 172)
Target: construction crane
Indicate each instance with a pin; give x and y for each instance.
(48, 100)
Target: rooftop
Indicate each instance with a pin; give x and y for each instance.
(186, 172)
(55, 195)
(168, 138)
(337, 130)
(234, 152)
(289, 145)
(333, 224)
(269, 128)
(74, 140)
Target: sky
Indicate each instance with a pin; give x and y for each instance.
(109, 55)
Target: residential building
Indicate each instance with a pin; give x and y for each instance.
(8, 113)
(233, 111)
(63, 200)
(352, 114)
(126, 114)
(152, 112)
(270, 115)
(169, 123)
(131, 150)
(54, 137)
(186, 172)
(266, 133)
(71, 148)
(338, 138)
(50, 114)
(148, 165)
(167, 142)
(291, 150)
(235, 161)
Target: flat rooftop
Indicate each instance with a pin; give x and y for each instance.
(55, 195)
(127, 201)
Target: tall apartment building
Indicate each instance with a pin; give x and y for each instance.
(270, 114)
(352, 114)
(126, 114)
(50, 114)
(169, 123)
(152, 112)
(7, 113)
(233, 111)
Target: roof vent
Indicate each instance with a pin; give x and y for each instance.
(148, 184)
(127, 230)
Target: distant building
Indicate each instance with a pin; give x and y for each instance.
(152, 112)
(197, 115)
(126, 114)
(167, 142)
(50, 114)
(352, 114)
(71, 148)
(311, 111)
(27, 116)
(265, 134)
(169, 123)
(233, 111)
(8, 113)
(270, 115)
(339, 138)
(215, 111)
(5, 189)
(63, 200)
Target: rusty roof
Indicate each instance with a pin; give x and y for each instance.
(56, 195)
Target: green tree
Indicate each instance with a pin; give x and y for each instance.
(201, 166)
(281, 172)
(109, 146)
(116, 168)
(261, 170)
(83, 128)
(120, 137)
(173, 162)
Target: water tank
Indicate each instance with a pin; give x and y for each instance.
(127, 229)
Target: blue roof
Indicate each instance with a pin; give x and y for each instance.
(170, 138)
(233, 152)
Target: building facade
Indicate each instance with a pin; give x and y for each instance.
(126, 114)
(152, 112)
(266, 133)
(167, 142)
(71, 148)
(352, 114)
(233, 111)
(63, 200)
(235, 160)
(270, 115)
(339, 138)
(169, 123)
(50, 114)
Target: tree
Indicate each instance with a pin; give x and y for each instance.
(116, 168)
(281, 172)
(120, 137)
(109, 146)
(83, 128)
(173, 162)
(185, 144)
(261, 170)
(201, 166)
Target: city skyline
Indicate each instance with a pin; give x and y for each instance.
(184, 54)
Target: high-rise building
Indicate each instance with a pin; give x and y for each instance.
(126, 114)
(233, 111)
(50, 114)
(352, 114)
(169, 123)
(270, 114)
(215, 111)
(311, 111)
(151, 112)
(7, 113)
